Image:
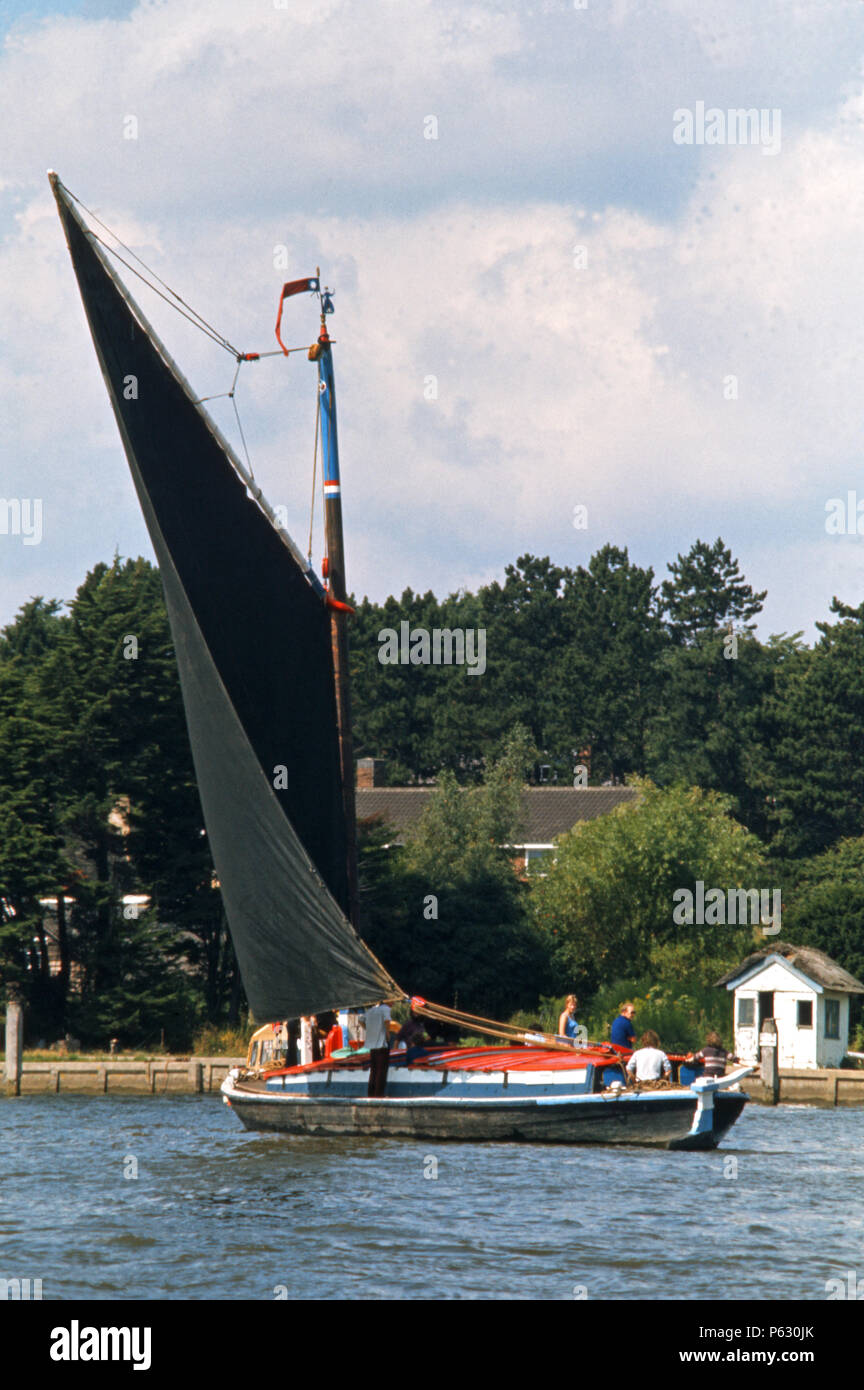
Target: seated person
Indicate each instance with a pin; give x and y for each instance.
(412, 1033)
(648, 1062)
(713, 1056)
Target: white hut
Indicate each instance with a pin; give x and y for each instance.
(806, 993)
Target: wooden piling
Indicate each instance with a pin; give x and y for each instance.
(770, 1061)
(14, 1047)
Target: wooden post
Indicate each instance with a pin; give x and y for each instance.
(14, 1046)
(770, 1059)
(196, 1077)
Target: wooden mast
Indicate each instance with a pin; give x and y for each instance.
(338, 594)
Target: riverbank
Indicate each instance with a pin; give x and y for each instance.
(821, 1086)
(141, 1076)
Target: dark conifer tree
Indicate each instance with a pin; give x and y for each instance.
(707, 593)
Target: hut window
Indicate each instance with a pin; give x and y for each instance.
(805, 1013)
(746, 1013)
(832, 1018)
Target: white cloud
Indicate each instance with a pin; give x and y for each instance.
(556, 385)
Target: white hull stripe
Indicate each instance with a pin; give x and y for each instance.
(510, 1102)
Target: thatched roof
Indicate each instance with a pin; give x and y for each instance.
(811, 962)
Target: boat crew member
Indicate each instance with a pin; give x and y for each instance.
(567, 1025)
(623, 1033)
(377, 1042)
(411, 1036)
(305, 1041)
(713, 1056)
(649, 1063)
(333, 1042)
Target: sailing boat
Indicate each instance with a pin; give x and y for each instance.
(262, 649)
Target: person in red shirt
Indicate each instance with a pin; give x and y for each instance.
(333, 1042)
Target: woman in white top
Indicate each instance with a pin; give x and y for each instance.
(648, 1062)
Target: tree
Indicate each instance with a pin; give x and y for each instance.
(818, 764)
(707, 593)
(32, 860)
(527, 633)
(608, 900)
(825, 908)
(135, 986)
(446, 913)
(715, 724)
(604, 684)
(98, 798)
(132, 805)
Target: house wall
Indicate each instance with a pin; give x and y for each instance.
(831, 1051)
(797, 1045)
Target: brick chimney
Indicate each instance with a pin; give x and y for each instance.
(371, 772)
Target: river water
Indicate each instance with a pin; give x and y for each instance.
(216, 1212)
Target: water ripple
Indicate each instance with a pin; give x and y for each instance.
(215, 1212)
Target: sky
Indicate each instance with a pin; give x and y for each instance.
(546, 297)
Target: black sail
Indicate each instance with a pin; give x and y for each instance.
(251, 633)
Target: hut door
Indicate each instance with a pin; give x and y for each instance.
(766, 1010)
(766, 1006)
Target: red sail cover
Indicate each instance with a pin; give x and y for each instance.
(252, 638)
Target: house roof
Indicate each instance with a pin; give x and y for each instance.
(806, 959)
(547, 812)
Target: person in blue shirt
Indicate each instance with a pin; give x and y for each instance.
(567, 1025)
(623, 1033)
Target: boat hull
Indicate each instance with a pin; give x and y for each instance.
(664, 1119)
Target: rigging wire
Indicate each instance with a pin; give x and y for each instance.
(198, 321)
(509, 1032)
(191, 317)
(239, 425)
(187, 311)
